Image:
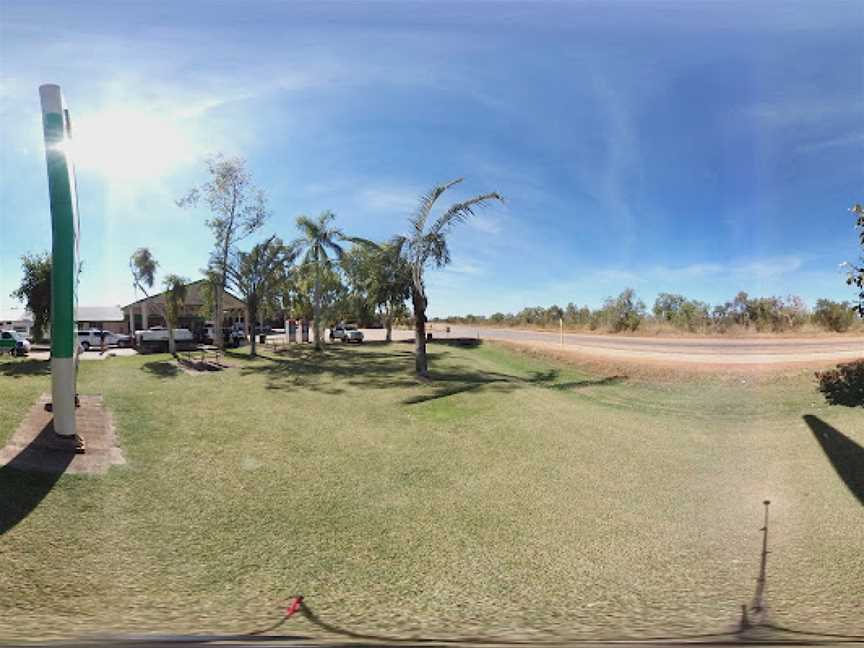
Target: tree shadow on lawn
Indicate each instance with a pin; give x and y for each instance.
(161, 369)
(846, 456)
(303, 367)
(548, 379)
(462, 382)
(18, 368)
(474, 381)
(22, 488)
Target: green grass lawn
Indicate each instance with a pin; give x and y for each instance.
(511, 495)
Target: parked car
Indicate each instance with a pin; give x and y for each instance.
(92, 339)
(14, 343)
(346, 333)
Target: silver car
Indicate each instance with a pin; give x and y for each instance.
(346, 333)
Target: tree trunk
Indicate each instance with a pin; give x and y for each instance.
(316, 322)
(251, 314)
(421, 366)
(172, 345)
(217, 318)
(388, 328)
(132, 321)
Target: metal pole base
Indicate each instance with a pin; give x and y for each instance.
(74, 442)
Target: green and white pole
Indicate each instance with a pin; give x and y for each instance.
(64, 257)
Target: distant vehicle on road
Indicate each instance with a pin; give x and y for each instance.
(14, 343)
(155, 339)
(346, 333)
(92, 339)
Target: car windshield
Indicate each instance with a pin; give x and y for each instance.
(602, 268)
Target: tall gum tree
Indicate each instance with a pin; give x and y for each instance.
(237, 208)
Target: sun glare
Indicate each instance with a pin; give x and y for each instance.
(130, 145)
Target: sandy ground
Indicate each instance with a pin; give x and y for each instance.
(692, 353)
(738, 354)
(698, 354)
(87, 355)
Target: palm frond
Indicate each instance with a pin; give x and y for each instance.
(461, 211)
(418, 220)
(307, 227)
(334, 247)
(436, 248)
(358, 240)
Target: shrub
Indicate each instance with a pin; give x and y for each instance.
(843, 385)
(624, 313)
(834, 316)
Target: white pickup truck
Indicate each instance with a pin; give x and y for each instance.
(155, 339)
(92, 339)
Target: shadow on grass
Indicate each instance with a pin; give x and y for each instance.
(23, 490)
(464, 342)
(18, 368)
(549, 380)
(843, 385)
(450, 384)
(460, 383)
(383, 366)
(161, 369)
(302, 366)
(846, 456)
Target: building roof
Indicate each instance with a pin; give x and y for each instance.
(99, 314)
(15, 315)
(194, 297)
(82, 314)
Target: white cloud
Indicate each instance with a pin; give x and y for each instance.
(790, 112)
(612, 276)
(767, 268)
(465, 268)
(692, 271)
(851, 139)
(386, 199)
(485, 224)
(681, 277)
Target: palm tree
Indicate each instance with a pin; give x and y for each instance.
(143, 266)
(175, 297)
(427, 244)
(319, 238)
(254, 275)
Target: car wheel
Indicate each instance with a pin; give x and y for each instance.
(85, 346)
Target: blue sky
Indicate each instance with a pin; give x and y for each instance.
(694, 147)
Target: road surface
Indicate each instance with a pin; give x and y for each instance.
(713, 351)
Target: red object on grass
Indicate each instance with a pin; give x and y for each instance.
(294, 606)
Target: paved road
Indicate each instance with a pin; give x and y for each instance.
(752, 351)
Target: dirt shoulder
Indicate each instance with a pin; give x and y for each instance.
(662, 365)
(808, 333)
